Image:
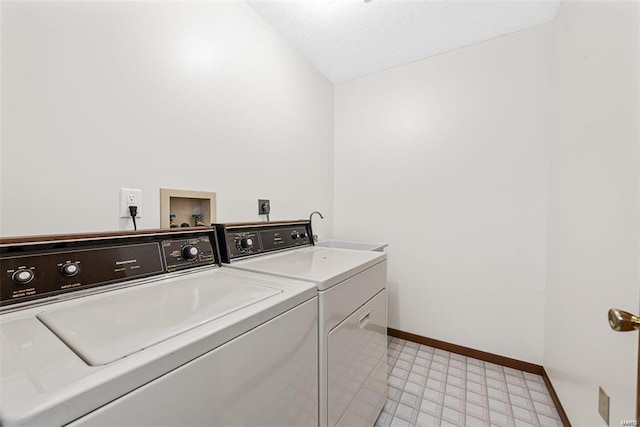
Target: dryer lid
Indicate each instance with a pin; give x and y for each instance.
(324, 266)
(114, 326)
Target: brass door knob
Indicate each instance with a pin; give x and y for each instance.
(623, 321)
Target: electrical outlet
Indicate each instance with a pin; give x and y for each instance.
(603, 405)
(130, 197)
(264, 207)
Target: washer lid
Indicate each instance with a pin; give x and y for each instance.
(114, 326)
(324, 266)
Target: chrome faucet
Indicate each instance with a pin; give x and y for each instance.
(315, 236)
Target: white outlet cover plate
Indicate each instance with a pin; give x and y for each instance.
(130, 197)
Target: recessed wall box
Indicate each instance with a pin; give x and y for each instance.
(179, 207)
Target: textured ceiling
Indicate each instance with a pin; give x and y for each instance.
(346, 39)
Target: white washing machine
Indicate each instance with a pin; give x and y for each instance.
(352, 308)
(145, 329)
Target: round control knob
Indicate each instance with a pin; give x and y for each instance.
(246, 242)
(70, 270)
(295, 235)
(303, 235)
(190, 252)
(22, 276)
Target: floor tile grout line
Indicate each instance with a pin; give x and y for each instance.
(535, 411)
(428, 369)
(486, 397)
(413, 361)
(404, 385)
(440, 407)
(506, 391)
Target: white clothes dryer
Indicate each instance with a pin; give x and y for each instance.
(145, 329)
(352, 307)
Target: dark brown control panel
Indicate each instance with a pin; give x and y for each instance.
(240, 240)
(185, 253)
(36, 270)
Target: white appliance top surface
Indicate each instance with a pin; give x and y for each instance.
(159, 324)
(114, 326)
(325, 267)
(347, 244)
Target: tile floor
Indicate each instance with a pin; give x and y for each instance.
(432, 387)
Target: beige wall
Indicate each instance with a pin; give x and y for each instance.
(446, 159)
(202, 96)
(593, 208)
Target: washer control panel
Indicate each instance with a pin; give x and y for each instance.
(36, 270)
(241, 240)
(185, 253)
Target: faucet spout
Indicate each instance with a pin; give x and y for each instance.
(315, 236)
(313, 213)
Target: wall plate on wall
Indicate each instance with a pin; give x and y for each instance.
(603, 405)
(130, 197)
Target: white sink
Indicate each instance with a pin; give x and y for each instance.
(360, 246)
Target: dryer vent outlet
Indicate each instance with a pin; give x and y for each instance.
(264, 207)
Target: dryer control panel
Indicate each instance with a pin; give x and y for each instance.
(55, 265)
(240, 240)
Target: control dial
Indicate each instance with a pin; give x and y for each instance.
(295, 235)
(245, 242)
(22, 276)
(190, 252)
(69, 270)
